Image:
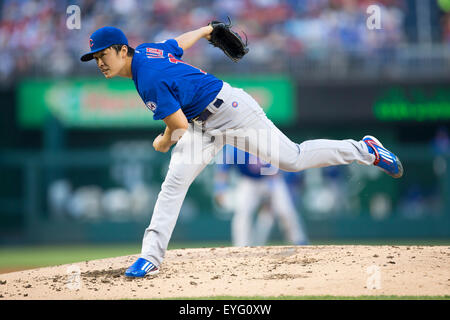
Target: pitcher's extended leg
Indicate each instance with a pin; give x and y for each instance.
(244, 124)
(262, 138)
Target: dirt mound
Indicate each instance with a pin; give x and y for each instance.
(248, 271)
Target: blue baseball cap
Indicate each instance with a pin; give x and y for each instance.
(102, 39)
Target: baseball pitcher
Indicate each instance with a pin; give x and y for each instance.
(203, 113)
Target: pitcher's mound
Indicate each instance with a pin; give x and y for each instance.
(248, 271)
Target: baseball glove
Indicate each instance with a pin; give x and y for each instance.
(227, 40)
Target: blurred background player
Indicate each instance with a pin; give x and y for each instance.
(267, 196)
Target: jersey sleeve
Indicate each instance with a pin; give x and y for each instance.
(168, 46)
(162, 102)
(172, 46)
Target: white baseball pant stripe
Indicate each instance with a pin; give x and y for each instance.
(241, 122)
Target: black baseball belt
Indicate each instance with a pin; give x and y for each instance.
(205, 114)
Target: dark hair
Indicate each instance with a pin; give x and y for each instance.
(118, 47)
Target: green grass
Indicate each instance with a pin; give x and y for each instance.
(41, 256)
(25, 257)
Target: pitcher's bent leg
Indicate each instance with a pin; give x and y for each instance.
(182, 172)
(165, 215)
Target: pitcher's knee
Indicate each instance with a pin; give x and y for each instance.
(289, 159)
(176, 182)
(290, 166)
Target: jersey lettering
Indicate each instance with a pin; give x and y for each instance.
(175, 60)
(154, 53)
(154, 50)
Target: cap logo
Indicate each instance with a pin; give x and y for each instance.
(91, 43)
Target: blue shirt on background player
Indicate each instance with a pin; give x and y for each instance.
(247, 164)
(166, 83)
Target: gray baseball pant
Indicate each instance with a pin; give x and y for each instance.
(241, 122)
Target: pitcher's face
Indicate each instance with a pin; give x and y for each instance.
(110, 62)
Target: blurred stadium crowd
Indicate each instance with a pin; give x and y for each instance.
(34, 38)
